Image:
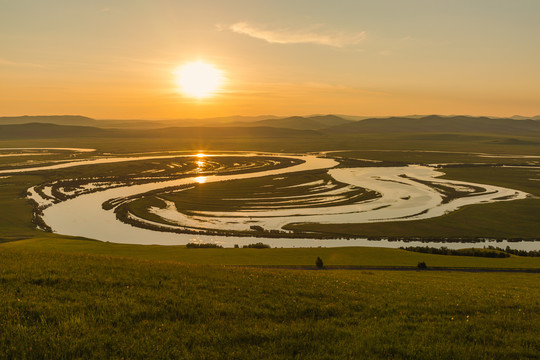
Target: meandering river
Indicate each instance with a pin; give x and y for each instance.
(403, 198)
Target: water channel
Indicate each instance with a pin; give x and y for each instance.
(402, 199)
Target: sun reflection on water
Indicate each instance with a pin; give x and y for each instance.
(200, 163)
(200, 179)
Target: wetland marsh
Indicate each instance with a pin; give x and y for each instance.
(239, 198)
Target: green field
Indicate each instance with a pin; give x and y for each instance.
(84, 305)
(302, 257)
(485, 143)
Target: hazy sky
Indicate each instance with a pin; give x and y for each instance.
(116, 58)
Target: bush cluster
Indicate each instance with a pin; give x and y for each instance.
(206, 246)
(258, 245)
(461, 252)
(490, 251)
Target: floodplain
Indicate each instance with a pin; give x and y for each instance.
(243, 194)
(68, 295)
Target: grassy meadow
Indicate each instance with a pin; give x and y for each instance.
(275, 257)
(85, 305)
(486, 143)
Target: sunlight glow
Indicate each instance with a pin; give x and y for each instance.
(198, 79)
(200, 179)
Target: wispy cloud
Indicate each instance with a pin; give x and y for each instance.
(313, 35)
(303, 89)
(4, 62)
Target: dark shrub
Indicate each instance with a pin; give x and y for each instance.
(319, 263)
(258, 245)
(201, 246)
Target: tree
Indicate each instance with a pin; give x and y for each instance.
(422, 265)
(319, 263)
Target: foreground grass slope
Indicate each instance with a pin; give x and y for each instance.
(69, 306)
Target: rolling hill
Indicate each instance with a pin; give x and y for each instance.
(50, 119)
(439, 124)
(77, 120)
(50, 131)
(317, 122)
(45, 131)
(295, 126)
(221, 132)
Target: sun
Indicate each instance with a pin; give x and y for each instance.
(198, 79)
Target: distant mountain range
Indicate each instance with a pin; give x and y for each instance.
(439, 124)
(50, 119)
(77, 120)
(46, 131)
(295, 122)
(317, 125)
(312, 122)
(316, 122)
(130, 123)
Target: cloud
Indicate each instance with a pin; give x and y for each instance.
(301, 36)
(4, 62)
(289, 90)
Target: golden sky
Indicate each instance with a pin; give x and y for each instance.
(117, 59)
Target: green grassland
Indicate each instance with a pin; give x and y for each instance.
(15, 210)
(16, 162)
(38, 157)
(59, 305)
(302, 257)
(487, 143)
